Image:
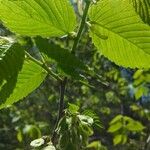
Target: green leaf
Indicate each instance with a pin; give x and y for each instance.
(97, 122)
(142, 7)
(86, 130)
(116, 119)
(96, 145)
(135, 126)
(117, 139)
(19, 136)
(37, 143)
(127, 119)
(64, 140)
(67, 62)
(135, 107)
(5, 43)
(18, 87)
(124, 139)
(137, 74)
(115, 127)
(140, 91)
(48, 18)
(120, 34)
(86, 120)
(11, 61)
(73, 108)
(120, 139)
(50, 147)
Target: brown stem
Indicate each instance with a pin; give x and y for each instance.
(61, 108)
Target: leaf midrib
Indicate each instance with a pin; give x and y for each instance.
(102, 26)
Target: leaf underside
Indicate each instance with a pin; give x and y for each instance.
(11, 60)
(18, 76)
(142, 7)
(29, 78)
(67, 62)
(120, 34)
(48, 18)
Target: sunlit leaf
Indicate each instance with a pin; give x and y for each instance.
(116, 119)
(115, 127)
(135, 126)
(46, 18)
(119, 33)
(18, 87)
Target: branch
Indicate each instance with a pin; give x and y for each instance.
(82, 24)
(44, 66)
(61, 108)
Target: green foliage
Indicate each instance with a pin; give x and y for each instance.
(27, 80)
(97, 124)
(46, 18)
(120, 138)
(142, 7)
(11, 60)
(142, 112)
(96, 145)
(121, 126)
(37, 143)
(141, 79)
(120, 31)
(75, 128)
(66, 61)
(120, 34)
(41, 144)
(5, 43)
